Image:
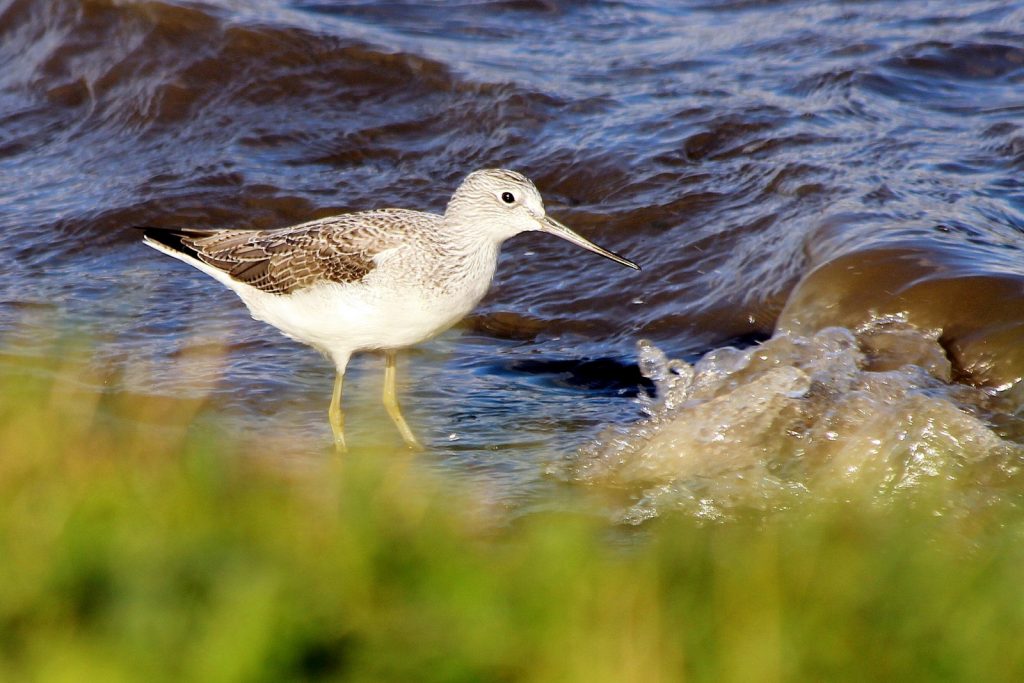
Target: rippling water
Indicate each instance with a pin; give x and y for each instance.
(775, 166)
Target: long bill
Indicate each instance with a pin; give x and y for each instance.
(552, 226)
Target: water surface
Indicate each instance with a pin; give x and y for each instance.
(774, 166)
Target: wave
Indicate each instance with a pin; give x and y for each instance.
(805, 416)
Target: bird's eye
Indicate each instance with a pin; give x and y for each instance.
(508, 197)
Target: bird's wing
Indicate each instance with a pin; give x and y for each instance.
(337, 249)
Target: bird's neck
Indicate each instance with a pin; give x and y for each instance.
(471, 255)
(478, 251)
(468, 231)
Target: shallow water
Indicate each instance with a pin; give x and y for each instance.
(771, 164)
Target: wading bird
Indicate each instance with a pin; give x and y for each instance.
(372, 280)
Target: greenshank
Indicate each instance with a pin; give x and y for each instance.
(372, 280)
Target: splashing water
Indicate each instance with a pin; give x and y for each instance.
(801, 416)
(773, 166)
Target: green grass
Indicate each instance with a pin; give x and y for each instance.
(131, 553)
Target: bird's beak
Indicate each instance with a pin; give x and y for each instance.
(552, 226)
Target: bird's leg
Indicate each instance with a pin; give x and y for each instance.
(335, 414)
(391, 402)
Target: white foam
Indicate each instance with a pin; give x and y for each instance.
(799, 416)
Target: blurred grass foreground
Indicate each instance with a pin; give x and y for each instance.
(128, 553)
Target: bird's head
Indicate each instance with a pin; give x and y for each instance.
(504, 203)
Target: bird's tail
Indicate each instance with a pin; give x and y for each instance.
(172, 239)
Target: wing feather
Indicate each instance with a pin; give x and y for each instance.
(337, 249)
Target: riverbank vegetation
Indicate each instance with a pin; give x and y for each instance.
(132, 552)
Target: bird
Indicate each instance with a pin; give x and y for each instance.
(376, 280)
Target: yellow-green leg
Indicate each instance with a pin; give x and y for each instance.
(391, 402)
(336, 415)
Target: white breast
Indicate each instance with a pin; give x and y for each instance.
(344, 318)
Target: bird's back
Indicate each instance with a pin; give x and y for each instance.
(340, 249)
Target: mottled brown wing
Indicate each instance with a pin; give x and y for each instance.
(338, 249)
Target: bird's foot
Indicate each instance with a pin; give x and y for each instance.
(412, 443)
